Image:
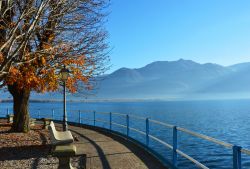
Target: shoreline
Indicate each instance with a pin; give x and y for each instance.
(122, 100)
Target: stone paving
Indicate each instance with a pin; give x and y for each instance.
(106, 151)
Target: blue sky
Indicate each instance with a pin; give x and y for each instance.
(143, 31)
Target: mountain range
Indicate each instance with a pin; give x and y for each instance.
(182, 79)
(170, 80)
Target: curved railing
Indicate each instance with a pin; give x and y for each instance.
(83, 117)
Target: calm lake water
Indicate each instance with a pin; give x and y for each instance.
(227, 120)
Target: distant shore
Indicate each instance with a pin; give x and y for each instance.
(118, 100)
(89, 100)
(39, 101)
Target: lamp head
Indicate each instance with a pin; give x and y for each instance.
(64, 73)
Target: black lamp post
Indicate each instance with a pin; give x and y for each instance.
(64, 76)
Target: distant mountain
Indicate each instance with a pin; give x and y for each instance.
(162, 79)
(181, 79)
(237, 82)
(240, 66)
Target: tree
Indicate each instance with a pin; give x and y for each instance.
(67, 33)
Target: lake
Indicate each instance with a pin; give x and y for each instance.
(226, 120)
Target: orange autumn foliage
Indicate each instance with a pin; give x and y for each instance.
(40, 75)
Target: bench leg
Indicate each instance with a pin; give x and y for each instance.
(64, 163)
(46, 125)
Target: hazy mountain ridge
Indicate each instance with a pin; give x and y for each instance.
(176, 79)
(182, 79)
(240, 66)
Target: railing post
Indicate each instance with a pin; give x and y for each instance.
(174, 158)
(110, 121)
(52, 113)
(127, 119)
(147, 131)
(236, 157)
(38, 113)
(7, 111)
(94, 118)
(79, 116)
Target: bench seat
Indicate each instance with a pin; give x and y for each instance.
(64, 150)
(59, 137)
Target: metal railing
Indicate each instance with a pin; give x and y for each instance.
(236, 150)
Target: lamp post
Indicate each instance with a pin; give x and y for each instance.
(64, 76)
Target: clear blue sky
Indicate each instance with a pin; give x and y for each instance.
(143, 31)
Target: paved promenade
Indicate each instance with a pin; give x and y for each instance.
(111, 152)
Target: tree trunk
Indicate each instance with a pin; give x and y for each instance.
(20, 108)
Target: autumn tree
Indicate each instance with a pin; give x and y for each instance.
(66, 33)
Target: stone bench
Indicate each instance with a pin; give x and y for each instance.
(63, 147)
(32, 121)
(10, 118)
(59, 137)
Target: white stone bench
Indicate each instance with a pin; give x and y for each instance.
(59, 137)
(32, 121)
(63, 148)
(10, 118)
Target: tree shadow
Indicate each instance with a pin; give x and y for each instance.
(5, 125)
(8, 130)
(24, 152)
